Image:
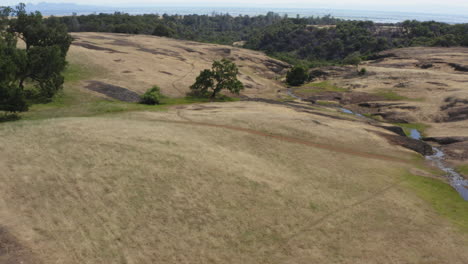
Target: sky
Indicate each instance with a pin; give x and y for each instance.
(431, 6)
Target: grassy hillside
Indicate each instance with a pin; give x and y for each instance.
(89, 179)
(149, 187)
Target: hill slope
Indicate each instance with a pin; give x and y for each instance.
(220, 182)
(90, 179)
(137, 62)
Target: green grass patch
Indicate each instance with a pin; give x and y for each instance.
(463, 169)
(393, 96)
(443, 198)
(72, 102)
(317, 87)
(286, 99)
(77, 72)
(327, 103)
(407, 127)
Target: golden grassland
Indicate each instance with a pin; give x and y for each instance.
(85, 179)
(140, 188)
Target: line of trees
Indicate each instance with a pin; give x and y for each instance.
(218, 28)
(33, 73)
(309, 40)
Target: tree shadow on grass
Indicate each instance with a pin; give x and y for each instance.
(8, 117)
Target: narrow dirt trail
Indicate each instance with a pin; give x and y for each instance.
(182, 78)
(288, 139)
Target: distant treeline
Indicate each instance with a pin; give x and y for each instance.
(297, 40)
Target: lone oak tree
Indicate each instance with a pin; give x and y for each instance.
(223, 75)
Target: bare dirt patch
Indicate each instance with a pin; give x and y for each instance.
(12, 251)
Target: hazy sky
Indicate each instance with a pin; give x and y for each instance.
(436, 6)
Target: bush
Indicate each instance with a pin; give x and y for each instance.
(298, 75)
(152, 97)
(363, 71)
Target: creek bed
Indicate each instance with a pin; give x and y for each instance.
(459, 183)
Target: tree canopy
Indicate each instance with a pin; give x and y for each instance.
(298, 75)
(32, 73)
(223, 75)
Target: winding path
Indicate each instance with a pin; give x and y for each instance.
(286, 139)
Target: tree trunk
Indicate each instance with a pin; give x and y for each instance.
(21, 85)
(213, 95)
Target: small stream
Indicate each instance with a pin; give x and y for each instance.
(455, 179)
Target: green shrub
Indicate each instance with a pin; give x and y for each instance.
(298, 75)
(363, 71)
(152, 97)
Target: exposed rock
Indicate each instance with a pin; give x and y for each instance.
(394, 117)
(409, 143)
(446, 140)
(95, 47)
(377, 105)
(395, 129)
(113, 91)
(459, 67)
(456, 151)
(425, 65)
(457, 114)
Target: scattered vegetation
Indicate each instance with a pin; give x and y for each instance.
(152, 97)
(222, 76)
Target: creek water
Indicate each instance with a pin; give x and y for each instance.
(457, 181)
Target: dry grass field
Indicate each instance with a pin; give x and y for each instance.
(87, 179)
(236, 182)
(137, 62)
